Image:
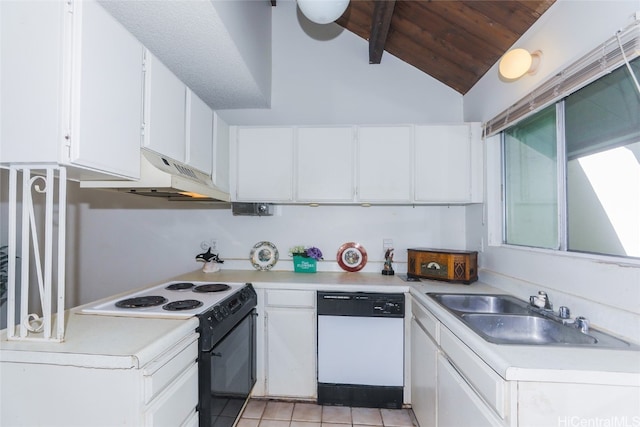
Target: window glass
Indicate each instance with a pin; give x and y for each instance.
(531, 181)
(599, 139)
(603, 165)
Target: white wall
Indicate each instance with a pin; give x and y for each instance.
(321, 75)
(127, 241)
(604, 289)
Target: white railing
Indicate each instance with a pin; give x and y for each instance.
(37, 182)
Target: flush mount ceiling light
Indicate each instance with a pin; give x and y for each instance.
(518, 62)
(323, 11)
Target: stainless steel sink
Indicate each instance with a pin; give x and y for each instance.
(518, 329)
(503, 319)
(481, 303)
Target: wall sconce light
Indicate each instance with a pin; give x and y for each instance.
(323, 11)
(518, 62)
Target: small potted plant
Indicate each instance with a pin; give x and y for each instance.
(305, 258)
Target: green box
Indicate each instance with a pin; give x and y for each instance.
(304, 265)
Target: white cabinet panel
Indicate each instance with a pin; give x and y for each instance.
(443, 163)
(458, 404)
(221, 159)
(106, 93)
(403, 164)
(165, 110)
(291, 352)
(325, 160)
(384, 164)
(545, 404)
(71, 89)
(424, 353)
(264, 170)
(200, 134)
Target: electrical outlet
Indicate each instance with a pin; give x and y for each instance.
(387, 244)
(211, 243)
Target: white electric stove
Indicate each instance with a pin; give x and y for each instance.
(176, 300)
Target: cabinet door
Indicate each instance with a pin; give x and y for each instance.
(30, 98)
(443, 164)
(264, 164)
(424, 354)
(325, 162)
(199, 134)
(384, 164)
(458, 404)
(165, 107)
(106, 104)
(220, 172)
(291, 352)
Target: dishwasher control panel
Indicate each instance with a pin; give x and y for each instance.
(361, 304)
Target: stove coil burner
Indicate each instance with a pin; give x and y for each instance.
(141, 302)
(211, 287)
(180, 286)
(186, 304)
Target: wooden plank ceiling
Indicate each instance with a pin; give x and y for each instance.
(454, 41)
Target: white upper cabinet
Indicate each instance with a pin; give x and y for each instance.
(72, 83)
(165, 110)
(447, 158)
(392, 164)
(325, 158)
(200, 134)
(221, 136)
(384, 166)
(264, 164)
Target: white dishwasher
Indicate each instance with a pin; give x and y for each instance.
(361, 349)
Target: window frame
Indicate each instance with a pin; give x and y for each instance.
(562, 196)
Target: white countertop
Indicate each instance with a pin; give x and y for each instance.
(126, 342)
(101, 342)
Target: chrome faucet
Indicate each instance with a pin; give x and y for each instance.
(541, 301)
(582, 323)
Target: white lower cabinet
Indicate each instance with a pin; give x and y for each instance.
(451, 386)
(458, 403)
(425, 333)
(424, 355)
(290, 344)
(162, 393)
(569, 404)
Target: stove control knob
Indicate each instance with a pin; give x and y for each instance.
(225, 312)
(217, 314)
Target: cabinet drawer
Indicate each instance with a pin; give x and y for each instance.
(426, 320)
(160, 373)
(175, 406)
(484, 380)
(290, 298)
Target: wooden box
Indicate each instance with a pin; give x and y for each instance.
(443, 264)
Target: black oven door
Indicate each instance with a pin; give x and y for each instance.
(227, 374)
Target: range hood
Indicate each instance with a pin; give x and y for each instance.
(163, 177)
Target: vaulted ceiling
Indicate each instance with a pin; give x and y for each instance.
(454, 41)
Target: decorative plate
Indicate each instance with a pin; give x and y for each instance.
(352, 257)
(264, 255)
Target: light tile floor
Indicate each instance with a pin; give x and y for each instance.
(271, 413)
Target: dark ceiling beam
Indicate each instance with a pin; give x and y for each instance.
(380, 22)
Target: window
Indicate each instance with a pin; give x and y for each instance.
(571, 172)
